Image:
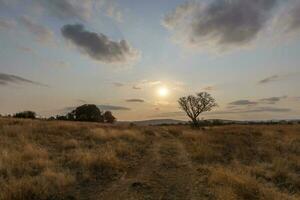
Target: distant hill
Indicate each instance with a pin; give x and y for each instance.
(154, 122)
(209, 121)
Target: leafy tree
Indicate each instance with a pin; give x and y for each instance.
(25, 114)
(87, 112)
(108, 117)
(193, 106)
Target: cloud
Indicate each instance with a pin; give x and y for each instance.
(80, 9)
(289, 19)
(270, 79)
(42, 33)
(209, 88)
(101, 107)
(62, 64)
(225, 112)
(135, 100)
(67, 9)
(112, 107)
(118, 84)
(25, 49)
(6, 79)
(7, 24)
(245, 102)
(136, 87)
(272, 100)
(252, 110)
(113, 11)
(219, 23)
(99, 46)
(81, 101)
(242, 103)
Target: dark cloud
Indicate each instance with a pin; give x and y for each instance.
(6, 79)
(270, 79)
(41, 32)
(272, 100)
(99, 46)
(135, 100)
(242, 103)
(223, 23)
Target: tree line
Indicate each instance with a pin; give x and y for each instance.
(86, 112)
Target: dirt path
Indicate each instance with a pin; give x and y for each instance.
(166, 173)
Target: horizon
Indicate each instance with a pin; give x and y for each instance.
(137, 58)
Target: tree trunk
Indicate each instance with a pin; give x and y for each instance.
(195, 122)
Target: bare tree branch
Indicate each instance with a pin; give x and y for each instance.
(193, 106)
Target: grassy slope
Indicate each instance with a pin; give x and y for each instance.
(67, 160)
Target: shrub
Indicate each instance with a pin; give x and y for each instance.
(25, 114)
(108, 117)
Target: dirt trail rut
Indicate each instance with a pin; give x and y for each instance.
(166, 173)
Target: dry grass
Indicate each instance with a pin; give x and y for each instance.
(248, 162)
(51, 160)
(42, 160)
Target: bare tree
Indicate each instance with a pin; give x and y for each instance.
(193, 106)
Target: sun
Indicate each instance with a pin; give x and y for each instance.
(163, 91)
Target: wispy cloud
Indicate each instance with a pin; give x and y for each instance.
(135, 100)
(82, 10)
(289, 19)
(99, 46)
(243, 102)
(252, 110)
(67, 9)
(209, 88)
(118, 84)
(112, 107)
(112, 10)
(272, 100)
(136, 87)
(41, 32)
(7, 23)
(102, 107)
(6, 79)
(270, 79)
(226, 112)
(246, 102)
(25, 49)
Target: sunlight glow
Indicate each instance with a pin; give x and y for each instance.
(163, 91)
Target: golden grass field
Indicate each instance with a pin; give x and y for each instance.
(56, 160)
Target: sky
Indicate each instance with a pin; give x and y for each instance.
(137, 57)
